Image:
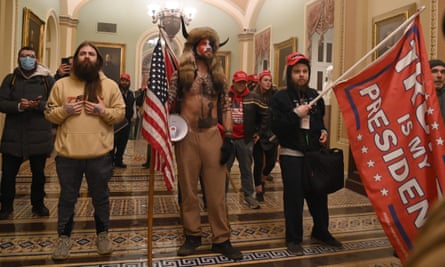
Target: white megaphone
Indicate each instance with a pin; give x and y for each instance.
(178, 127)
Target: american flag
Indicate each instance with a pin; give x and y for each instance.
(155, 122)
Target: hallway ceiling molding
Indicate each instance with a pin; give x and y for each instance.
(244, 12)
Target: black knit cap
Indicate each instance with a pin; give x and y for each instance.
(436, 62)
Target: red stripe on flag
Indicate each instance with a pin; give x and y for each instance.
(396, 135)
(155, 127)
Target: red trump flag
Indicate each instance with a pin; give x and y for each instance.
(396, 134)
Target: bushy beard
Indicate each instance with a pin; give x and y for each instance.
(86, 70)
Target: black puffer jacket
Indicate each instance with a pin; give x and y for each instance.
(26, 133)
(286, 124)
(267, 140)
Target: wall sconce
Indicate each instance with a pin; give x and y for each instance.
(169, 16)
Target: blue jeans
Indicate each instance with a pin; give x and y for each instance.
(98, 171)
(243, 153)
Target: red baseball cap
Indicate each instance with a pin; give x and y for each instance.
(125, 76)
(296, 57)
(252, 78)
(240, 76)
(265, 73)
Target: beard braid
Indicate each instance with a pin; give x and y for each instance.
(89, 72)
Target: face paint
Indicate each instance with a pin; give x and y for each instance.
(204, 46)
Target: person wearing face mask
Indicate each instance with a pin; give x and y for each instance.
(26, 133)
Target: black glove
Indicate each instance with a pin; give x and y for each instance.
(226, 150)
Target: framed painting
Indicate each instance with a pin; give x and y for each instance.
(281, 51)
(224, 59)
(114, 59)
(32, 32)
(262, 50)
(385, 24)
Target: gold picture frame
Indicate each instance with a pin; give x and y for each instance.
(281, 51)
(224, 59)
(386, 23)
(32, 32)
(114, 59)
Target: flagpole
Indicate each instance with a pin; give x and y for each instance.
(372, 51)
(167, 42)
(151, 185)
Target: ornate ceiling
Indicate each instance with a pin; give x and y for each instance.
(244, 12)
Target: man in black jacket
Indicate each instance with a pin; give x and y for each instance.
(300, 128)
(122, 130)
(26, 134)
(438, 72)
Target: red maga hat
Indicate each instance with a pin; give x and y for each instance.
(296, 57)
(240, 76)
(252, 78)
(125, 76)
(265, 73)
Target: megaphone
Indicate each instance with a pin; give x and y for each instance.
(178, 127)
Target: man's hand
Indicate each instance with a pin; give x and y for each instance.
(73, 108)
(96, 109)
(226, 150)
(26, 104)
(323, 137)
(302, 110)
(64, 69)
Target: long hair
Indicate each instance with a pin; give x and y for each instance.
(93, 87)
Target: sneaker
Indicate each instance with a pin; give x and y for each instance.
(40, 211)
(251, 202)
(62, 250)
(295, 248)
(5, 214)
(227, 250)
(260, 196)
(103, 243)
(330, 241)
(190, 245)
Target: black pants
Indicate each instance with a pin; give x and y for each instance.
(263, 162)
(293, 199)
(98, 172)
(10, 167)
(120, 143)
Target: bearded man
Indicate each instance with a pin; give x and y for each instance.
(201, 92)
(85, 106)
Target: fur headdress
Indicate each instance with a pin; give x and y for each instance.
(187, 60)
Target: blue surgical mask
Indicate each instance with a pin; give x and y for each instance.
(27, 63)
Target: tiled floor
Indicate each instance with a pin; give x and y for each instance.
(29, 241)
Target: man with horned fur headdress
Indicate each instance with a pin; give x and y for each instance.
(200, 88)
